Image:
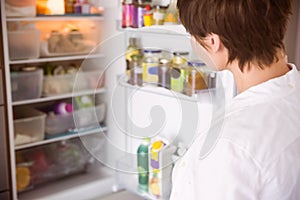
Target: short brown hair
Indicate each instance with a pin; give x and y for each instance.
(251, 30)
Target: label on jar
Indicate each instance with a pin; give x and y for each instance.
(158, 16)
(150, 72)
(177, 79)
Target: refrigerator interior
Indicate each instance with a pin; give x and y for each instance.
(133, 112)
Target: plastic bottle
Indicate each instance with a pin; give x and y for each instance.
(85, 7)
(127, 13)
(148, 16)
(143, 165)
(138, 13)
(77, 7)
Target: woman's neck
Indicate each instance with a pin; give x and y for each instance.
(255, 75)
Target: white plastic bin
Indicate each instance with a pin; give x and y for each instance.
(56, 124)
(29, 125)
(24, 44)
(62, 84)
(26, 85)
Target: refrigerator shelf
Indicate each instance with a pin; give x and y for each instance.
(59, 97)
(160, 29)
(57, 18)
(62, 138)
(202, 96)
(55, 59)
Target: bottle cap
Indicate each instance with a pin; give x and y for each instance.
(196, 63)
(152, 51)
(181, 53)
(69, 108)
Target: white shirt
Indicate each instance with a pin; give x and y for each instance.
(257, 154)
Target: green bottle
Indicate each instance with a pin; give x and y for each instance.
(143, 165)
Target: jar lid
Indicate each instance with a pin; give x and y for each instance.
(181, 53)
(164, 61)
(196, 63)
(152, 51)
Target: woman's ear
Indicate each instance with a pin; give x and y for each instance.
(213, 42)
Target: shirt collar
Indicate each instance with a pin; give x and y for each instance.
(271, 89)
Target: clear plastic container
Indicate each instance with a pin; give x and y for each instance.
(24, 44)
(62, 84)
(58, 124)
(47, 163)
(64, 44)
(26, 85)
(29, 125)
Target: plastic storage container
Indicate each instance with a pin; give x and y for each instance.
(71, 43)
(62, 84)
(42, 164)
(24, 44)
(26, 85)
(59, 124)
(29, 125)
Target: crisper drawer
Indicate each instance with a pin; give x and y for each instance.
(1, 88)
(4, 184)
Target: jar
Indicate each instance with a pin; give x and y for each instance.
(158, 15)
(136, 70)
(150, 65)
(196, 78)
(180, 57)
(164, 73)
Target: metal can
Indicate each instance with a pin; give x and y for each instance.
(164, 73)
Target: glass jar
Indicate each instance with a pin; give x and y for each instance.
(179, 70)
(164, 73)
(196, 78)
(172, 15)
(136, 70)
(158, 15)
(150, 65)
(180, 57)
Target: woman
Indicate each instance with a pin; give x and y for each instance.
(257, 153)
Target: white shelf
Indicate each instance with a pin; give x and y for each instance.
(160, 29)
(58, 97)
(55, 59)
(92, 185)
(56, 18)
(203, 96)
(62, 138)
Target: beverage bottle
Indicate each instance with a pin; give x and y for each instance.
(143, 165)
(77, 7)
(127, 13)
(132, 49)
(86, 7)
(138, 13)
(172, 15)
(148, 16)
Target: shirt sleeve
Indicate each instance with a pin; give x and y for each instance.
(227, 173)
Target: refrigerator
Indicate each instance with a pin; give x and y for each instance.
(132, 112)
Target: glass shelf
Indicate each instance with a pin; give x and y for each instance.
(62, 138)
